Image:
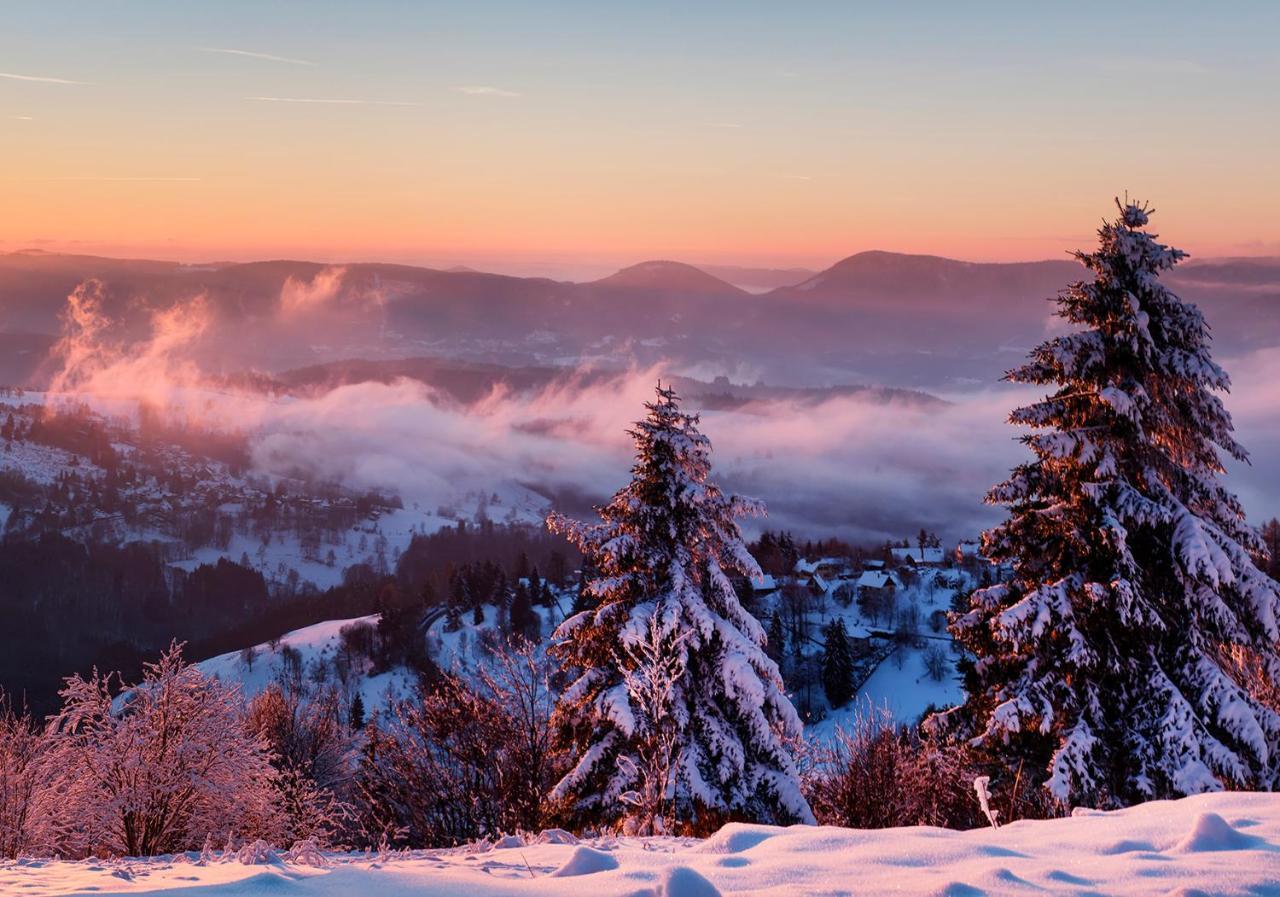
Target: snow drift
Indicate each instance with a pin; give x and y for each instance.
(1222, 844)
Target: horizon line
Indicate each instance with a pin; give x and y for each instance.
(550, 260)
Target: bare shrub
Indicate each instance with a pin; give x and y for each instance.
(467, 760)
(312, 750)
(877, 774)
(655, 668)
(935, 662)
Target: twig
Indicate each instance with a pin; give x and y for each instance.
(1013, 795)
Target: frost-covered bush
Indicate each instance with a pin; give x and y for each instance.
(153, 768)
(23, 772)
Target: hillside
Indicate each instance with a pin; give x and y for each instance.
(309, 649)
(904, 658)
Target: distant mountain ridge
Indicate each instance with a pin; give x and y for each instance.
(669, 277)
(914, 321)
(876, 275)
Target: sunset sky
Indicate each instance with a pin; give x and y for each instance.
(599, 134)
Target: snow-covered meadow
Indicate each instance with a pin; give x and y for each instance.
(1219, 844)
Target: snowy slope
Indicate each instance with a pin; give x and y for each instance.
(462, 651)
(385, 536)
(901, 682)
(316, 644)
(459, 652)
(901, 685)
(1221, 844)
(162, 510)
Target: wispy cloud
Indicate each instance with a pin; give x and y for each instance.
(40, 79)
(22, 117)
(331, 101)
(485, 90)
(250, 54)
(125, 178)
(797, 177)
(1150, 65)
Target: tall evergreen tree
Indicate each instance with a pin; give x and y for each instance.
(582, 599)
(837, 664)
(665, 610)
(1110, 659)
(524, 621)
(1271, 538)
(355, 714)
(777, 643)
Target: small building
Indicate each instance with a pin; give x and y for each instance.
(764, 584)
(875, 581)
(919, 557)
(828, 568)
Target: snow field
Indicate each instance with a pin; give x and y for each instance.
(1219, 844)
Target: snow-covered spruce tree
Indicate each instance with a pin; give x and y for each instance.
(1109, 660)
(660, 558)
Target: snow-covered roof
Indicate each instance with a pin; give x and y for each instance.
(918, 555)
(806, 567)
(763, 583)
(874, 579)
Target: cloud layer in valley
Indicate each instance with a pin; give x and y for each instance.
(855, 467)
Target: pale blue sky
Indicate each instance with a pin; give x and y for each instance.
(743, 130)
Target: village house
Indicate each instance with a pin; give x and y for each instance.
(928, 556)
(828, 568)
(873, 583)
(764, 584)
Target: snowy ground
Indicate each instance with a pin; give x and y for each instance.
(1219, 844)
